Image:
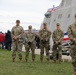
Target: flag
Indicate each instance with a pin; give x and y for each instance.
(52, 9)
(66, 38)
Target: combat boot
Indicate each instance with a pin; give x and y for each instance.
(48, 60)
(54, 61)
(26, 60)
(20, 59)
(74, 73)
(60, 62)
(13, 59)
(33, 60)
(41, 60)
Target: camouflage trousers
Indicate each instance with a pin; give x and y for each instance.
(27, 48)
(46, 48)
(17, 46)
(73, 55)
(57, 48)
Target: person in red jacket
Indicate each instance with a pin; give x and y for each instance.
(2, 39)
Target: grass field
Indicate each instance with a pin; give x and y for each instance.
(7, 67)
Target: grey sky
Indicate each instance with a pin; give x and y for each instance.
(28, 11)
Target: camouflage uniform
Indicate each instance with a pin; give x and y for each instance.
(44, 43)
(72, 36)
(57, 36)
(17, 44)
(30, 44)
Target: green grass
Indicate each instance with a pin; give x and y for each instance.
(7, 67)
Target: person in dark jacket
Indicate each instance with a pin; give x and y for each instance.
(8, 40)
(37, 41)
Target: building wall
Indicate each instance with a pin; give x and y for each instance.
(63, 15)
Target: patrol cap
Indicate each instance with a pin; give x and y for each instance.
(17, 21)
(44, 24)
(30, 27)
(57, 24)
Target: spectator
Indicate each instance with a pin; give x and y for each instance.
(8, 40)
(37, 41)
(2, 39)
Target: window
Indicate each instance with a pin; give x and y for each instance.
(54, 20)
(59, 16)
(68, 15)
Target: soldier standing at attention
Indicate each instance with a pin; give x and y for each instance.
(17, 34)
(57, 42)
(44, 35)
(72, 36)
(30, 43)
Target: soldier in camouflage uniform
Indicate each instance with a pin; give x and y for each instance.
(57, 43)
(17, 33)
(30, 43)
(72, 36)
(44, 35)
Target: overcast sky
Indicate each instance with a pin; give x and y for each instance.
(30, 12)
